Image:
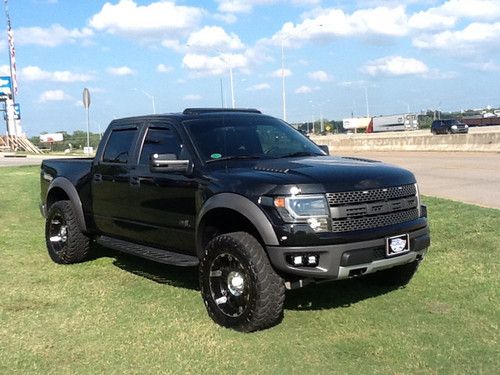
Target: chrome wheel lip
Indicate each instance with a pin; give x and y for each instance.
(228, 283)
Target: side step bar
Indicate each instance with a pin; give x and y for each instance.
(151, 253)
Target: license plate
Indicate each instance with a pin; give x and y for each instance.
(397, 245)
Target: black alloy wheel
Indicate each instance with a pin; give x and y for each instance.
(240, 288)
(65, 241)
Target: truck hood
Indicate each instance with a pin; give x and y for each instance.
(317, 174)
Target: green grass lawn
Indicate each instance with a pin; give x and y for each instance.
(119, 314)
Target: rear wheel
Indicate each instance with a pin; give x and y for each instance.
(65, 241)
(238, 285)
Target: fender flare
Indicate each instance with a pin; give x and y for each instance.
(244, 207)
(70, 190)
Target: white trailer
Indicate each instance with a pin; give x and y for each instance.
(405, 121)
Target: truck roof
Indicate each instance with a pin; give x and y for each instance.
(189, 113)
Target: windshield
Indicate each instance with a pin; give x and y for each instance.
(248, 137)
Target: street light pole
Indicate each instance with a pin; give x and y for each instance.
(150, 97)
(366, 99)
(231, 80)
(152, 100)
(283, 91)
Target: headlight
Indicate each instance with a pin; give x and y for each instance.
(453, 126)
(466, 126)
(310, 209)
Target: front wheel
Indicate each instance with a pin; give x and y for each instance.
(238, 285)
(65, 241)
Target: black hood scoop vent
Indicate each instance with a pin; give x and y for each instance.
(272, 170)
(359, 159)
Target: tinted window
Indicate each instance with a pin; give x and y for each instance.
(160, 141)
(256, 136)
(119, 146)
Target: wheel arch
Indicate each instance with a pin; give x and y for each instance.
(232, 212)
(62, 189)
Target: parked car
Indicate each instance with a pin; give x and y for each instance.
(258, 207)
(448, 127)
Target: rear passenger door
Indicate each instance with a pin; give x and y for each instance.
(110, 181)
(164, 202)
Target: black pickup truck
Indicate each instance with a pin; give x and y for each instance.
(257, 206)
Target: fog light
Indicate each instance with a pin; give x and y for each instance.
(312, 260)
(297, 260)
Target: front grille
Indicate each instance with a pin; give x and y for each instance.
(348, 197)
(369, 209)
(371, 222)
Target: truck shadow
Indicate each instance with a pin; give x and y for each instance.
(330, 295)
(180, 277)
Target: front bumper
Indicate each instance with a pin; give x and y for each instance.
(346, 260)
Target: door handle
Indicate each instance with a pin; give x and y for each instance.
(98, 177)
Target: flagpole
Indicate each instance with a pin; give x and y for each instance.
(12, 51)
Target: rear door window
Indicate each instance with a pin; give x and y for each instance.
(119, 146)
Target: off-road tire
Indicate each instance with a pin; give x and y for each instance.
(396, 276)
(75, 247)
(264, 291)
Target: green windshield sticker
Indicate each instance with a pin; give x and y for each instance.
(216, 156)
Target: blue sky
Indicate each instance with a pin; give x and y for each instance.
(405, 54)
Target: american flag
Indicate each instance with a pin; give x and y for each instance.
(12, 50)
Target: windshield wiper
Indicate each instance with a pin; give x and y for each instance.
(235, 157)
(300, 153)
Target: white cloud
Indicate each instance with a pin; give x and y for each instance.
(120, 71)
(450, 12)
(278, 73)
(235, 6)
(157, 19)
(470, 40)
(486, 66)
(303, 90)
(320, 76)
(52, 36)
(227, 18)
(214, 38)
(394, 66)
(246, 6)
(174, 45)
(427, 21)
(35, 73)
(202, 65)
(333, 23)
(192, 97)
(162, 68)
(475, 9)
(5, 70)
(259, 87)
(53, 96)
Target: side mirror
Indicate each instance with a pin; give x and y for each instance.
(168, 163)
(325, 149)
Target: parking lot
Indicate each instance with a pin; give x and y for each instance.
(462, 176)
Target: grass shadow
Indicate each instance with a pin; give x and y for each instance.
(181, 277)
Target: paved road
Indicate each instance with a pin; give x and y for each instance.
(463, 176)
